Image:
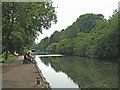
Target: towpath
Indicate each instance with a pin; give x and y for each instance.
(19, 75)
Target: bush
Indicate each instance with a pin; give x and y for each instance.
(10, 57)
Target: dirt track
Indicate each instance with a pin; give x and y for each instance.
(19, 75)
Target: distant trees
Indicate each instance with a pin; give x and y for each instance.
(55, 37)
(87, 22)
(90, 36)
(21, 22)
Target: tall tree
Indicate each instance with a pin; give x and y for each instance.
(97, 37)
(22, 21)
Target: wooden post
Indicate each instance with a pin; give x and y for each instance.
(38, 80)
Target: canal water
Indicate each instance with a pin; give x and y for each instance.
(78, 72)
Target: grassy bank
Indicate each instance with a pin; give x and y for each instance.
(10, 58)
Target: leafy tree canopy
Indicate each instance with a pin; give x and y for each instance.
(21, 22)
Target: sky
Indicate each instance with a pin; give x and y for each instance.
(68, 11)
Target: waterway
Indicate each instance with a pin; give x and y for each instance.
(78, 72)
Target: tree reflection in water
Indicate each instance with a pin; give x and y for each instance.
(86, 72)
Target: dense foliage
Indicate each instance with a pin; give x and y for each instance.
(89, 36)
(21, 22)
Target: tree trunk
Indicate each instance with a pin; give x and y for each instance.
(7, 46)
(6, 54)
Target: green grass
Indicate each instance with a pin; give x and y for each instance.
(10, 59)
(1, 60)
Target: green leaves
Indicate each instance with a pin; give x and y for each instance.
(90, 36)
(23, 20)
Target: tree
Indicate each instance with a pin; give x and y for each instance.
(87, 22)
(55, 37)
(22, 21)
(89, 36)
(43, 44)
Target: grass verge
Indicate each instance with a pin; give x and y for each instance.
(11, 58)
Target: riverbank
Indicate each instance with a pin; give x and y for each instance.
(19, 75)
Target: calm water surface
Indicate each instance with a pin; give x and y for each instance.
(77, 72)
